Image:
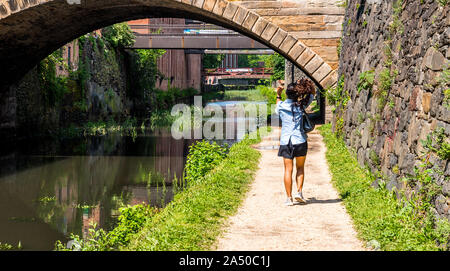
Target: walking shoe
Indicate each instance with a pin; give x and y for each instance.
(288, 202)
(299, 197)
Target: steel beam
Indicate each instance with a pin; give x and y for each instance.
(240, 52)
(196, 42)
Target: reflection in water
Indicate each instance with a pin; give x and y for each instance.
(49, 189)
(45, 195)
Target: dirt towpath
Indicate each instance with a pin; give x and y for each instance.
(263, 222)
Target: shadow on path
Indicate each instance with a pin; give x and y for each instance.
(314, 200)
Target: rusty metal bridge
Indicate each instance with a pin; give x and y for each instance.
(192, 35)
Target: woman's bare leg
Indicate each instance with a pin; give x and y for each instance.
(288, 166)
(300, 174)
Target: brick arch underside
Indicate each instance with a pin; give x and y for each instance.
(30, 33)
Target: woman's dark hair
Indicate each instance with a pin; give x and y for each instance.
(300, 92)
(303, 89)
(290, 92)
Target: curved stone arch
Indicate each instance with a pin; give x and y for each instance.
(221, 12)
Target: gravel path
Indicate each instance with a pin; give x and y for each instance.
(263, 222)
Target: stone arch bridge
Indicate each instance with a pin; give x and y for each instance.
(306, 32)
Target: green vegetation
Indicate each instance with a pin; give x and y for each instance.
(234, 95)
(118, 35)
(447, 98)
(246, 95)
(261, 93)
(211, 61)
(436, 143)
(444, 80)
(193, 220)
(270, 96)
(366, 80)
(442, 2)
(203, 156)
(338, 97)
(377, 214)
(4, 246)
(53, 87)
(339, 47)
(165, 99)
(343, 3)
(385, 80)
(101, 128)
(145, 63)
(130, 222)
(274, 61)
(396, 24)
(374, 157)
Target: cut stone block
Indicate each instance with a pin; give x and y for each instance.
(198, 3)
(250, 20)
(287, 43)
(269, 31)
(259, 26)
(220, 7)
(296, 50)
(230, 10)
(279, 36)
(314, 64)
(240, 15)
(323, 71)
(305, 57)
(330, 80)
(209, 5)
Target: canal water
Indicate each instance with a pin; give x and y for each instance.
(51, 188)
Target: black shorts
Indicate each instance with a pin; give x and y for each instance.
(290, 151)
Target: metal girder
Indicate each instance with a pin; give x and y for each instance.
(240, 52)
(196, 42)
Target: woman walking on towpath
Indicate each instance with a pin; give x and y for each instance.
(293, 140)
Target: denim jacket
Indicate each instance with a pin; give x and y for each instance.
(290, 124)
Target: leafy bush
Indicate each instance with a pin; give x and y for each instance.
(212, 61)
(337, 96)
(5, 246)
(270, 94)
(119, 35)
(145, 63)
(130, 221)
(436, 142)
(447, 98)
(203, 156)
(385, 80)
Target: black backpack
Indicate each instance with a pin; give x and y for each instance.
(306, 124)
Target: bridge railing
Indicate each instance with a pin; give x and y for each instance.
(180, 29)
(238, 71)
